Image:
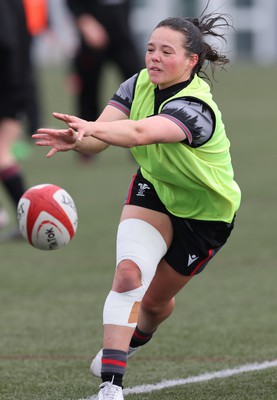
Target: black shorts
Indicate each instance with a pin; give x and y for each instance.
(194, 242)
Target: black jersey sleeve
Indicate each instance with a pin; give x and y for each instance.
(123, 97)
(195, 118)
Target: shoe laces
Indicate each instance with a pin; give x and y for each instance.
(110, 391)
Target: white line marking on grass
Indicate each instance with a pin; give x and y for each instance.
(208, 376)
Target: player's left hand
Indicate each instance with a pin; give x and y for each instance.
(58, 139)
(81, 126)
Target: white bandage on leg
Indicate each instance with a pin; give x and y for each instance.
(122, 308)
(143, 244)
(140, 242)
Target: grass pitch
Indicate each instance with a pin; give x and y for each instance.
(51, 302)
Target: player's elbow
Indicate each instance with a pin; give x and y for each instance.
(140, 136)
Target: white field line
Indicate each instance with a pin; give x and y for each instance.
(208, 376)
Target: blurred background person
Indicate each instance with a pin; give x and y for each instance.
(18, 100)
(36, 12)
(105, 35)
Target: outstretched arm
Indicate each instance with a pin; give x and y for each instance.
(126, 133)
(67, 139)
(111, 128)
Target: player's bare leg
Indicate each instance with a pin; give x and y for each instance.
(131, 280)
(159, 301)
(128, 275)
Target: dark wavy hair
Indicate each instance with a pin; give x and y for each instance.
(195, 32)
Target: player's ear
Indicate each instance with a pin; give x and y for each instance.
(193, 60)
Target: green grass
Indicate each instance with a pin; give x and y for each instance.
(51, 302)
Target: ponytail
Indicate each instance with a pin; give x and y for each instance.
(207, 26)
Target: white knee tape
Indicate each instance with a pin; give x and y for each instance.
(140, 242)
(122, 308)
(144, 245)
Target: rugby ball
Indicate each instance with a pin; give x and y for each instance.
(47, 217)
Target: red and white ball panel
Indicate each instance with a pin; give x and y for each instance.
(47, 216)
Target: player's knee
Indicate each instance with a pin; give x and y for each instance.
(127, 276)
(142, 245)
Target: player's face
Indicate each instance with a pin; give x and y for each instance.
(166, 59)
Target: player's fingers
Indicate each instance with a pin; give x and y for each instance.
(43, 143)
(51, 153)
(66, 118)
(73, 126)
(51, 132)
(39, 136)
(80, 135)
(61, 117)
(71, 132)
